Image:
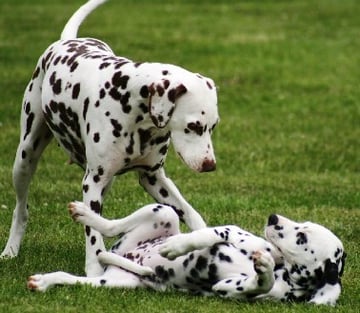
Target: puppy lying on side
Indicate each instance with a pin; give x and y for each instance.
(297, 262)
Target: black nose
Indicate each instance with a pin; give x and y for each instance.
(273, 220)
(208, 166)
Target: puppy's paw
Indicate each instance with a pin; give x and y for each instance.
(79, 212)
(263, 262)
(175, 246)
(38, 282)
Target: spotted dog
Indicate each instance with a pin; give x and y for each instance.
(112, 115)
(297, 262)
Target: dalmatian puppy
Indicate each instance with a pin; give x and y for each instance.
(112, 115)
(297, 262)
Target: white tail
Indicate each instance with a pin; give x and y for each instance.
(72, 26)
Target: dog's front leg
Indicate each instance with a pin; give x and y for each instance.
(95, 184)
(164, 191)
(249, 286)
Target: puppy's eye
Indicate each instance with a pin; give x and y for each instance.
(196, 127)
(301, 238)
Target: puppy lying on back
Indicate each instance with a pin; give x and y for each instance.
(297, 262)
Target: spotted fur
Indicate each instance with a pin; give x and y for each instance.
(112, 115)
(226, 261)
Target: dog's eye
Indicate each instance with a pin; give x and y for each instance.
(196, 127)
(301, 238)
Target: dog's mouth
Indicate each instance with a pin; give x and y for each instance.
(206, 165)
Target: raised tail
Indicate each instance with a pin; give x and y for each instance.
(72, 26)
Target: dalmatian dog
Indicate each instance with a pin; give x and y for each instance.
(296, 262)
(112, 115)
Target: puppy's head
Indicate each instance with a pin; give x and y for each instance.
(313, 256)
(186, 103)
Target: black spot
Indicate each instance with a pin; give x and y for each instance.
(151, 179)
(196, 127)
(164, 192)
(162, 273)
(57, 87)
(116, 127)
(163, 150)
(243, 251)
(224, 258)
(102, 282)
(130, 147)
(102, 93)
(119, 80)
(29, 122)
(139, 118)
(76, 91)
(95, 206)
(194, 273)
(23, 154)
(93, 240)
(144, 108)
(36, 73)
(85, 188)
(86, 106)
(96, 137)
(201, 263)
(144, 91)
(73, 66)
(212, 273)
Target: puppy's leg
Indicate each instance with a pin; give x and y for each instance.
(149, 222)
(241, 287)
(143, 217)
(110, 258)
(164, 191)
(115, 278)
(35, 136)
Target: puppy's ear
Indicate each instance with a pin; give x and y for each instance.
(328, 285)
(162, 100)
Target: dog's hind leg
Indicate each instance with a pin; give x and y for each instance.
(35, 136)
(114, 277)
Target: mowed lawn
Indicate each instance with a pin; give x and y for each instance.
(288, 77)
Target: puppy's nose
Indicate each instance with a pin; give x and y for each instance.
(273, 220)
(208, 166)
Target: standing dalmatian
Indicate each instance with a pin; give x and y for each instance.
(112, 115)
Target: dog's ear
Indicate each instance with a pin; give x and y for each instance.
(162, 99)
(328, 285)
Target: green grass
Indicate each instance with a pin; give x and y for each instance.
(288, 142)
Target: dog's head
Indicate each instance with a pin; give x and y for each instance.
(313, 258)
(186, 104)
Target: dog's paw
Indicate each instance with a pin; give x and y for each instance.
(175, 246)
(79, 211)
(263, 262)
(38, 282)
